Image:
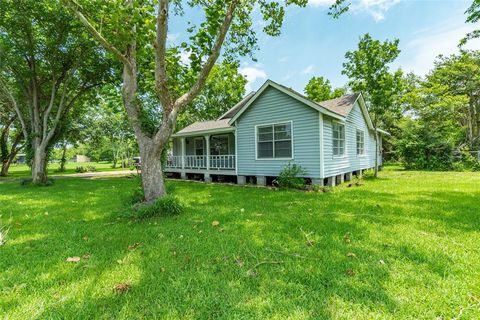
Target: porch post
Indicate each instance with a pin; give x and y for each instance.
(183, 153)
(207, 139)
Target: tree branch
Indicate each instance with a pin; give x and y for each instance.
(13, 102)
(202, 77)
(160, 55)
(93, 31)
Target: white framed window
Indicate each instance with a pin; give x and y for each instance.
(219, 145)
(338, 139)
(360, 142)
(274, 141)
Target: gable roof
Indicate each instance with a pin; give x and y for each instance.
(342, 105)
(233, 110)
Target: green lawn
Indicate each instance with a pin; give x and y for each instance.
(22, 171)
(403, 246)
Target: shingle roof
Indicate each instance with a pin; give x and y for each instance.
(342, 105)
(233, 111)
(206, 125)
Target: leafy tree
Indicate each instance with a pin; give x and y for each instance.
(135, 33)
(368, 70)
(47, 66)
(473, 16)
(224, 88)
(10, 136)
(319, 89)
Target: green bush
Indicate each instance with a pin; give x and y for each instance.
(82, 169)
(168, 205)
(290, 177)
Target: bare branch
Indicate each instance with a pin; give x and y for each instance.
(160, 55)
(93, 31)
(202, 77)
(13, 102)
(50, 106)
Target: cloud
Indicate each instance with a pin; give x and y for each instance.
(308, 69)
(375, 8)
(252, 74)
(283, 59)
(439, 39)
(185, 57)
(173, 37)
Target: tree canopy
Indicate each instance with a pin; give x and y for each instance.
(319, 89)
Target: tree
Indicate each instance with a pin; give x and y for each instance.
(135, 33)
(10, 136)
(47, 65)
(319, 89)
(224, 88)
(368, 70)
(473, 16)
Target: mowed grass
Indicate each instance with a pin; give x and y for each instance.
(404, 246)
(22, 171)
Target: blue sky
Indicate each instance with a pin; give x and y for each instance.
(314, 44)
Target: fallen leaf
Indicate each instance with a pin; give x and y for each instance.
(215, 223)
(251, 273)
(350, 272)
(351, 255)
(122, 287)
(86, 256)
(242, 210)
(381, 262)
(239, 262)
(133, 246)
(73, 259)
(346, 238)
(310, 243)
(85, 238)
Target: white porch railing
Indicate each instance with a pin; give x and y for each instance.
(195, 162)
(222, 162)
(174, 162)
(216, 162)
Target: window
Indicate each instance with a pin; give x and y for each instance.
(219, 145)
(274, 141)
(360, 142)
(338, 139)
(198, 146)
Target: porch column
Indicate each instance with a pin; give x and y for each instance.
(207, 139)
(183, 153)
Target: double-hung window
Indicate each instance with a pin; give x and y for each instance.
(338, 139)
(274, 141)
(360, 142)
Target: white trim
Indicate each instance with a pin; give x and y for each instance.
(344, 155)
(236, 149)
(363, 154)
(248, 96)
(273, 133)
(363, 108)
(202, 132)
(297, 96)
(322, 155)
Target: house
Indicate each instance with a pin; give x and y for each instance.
(255, 139)
(79, 158)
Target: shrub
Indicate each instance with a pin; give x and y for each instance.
(82, 169)
(290, 177)
(167, 205)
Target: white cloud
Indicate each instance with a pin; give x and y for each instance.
(252, 74)
(321, 3)
(308, 69)
(185, 57)
(439, 39)
(283, 59)
(375, 8)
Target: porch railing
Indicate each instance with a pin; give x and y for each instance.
(216, 162)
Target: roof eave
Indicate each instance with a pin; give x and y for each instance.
(200, 132)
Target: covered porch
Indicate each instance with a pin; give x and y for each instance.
(205, 153)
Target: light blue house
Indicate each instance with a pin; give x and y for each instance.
(255, 139)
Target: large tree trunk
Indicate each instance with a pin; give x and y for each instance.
(152, 175)
(39, 165)
(6, 165)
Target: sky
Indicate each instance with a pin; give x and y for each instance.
(314, 44)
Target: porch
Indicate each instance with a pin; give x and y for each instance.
(209, 153)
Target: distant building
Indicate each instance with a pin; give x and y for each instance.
(21, 158)
(80, 158)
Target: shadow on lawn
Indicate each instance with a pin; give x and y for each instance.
(274, 254)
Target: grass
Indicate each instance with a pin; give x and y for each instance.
(402, 246)
(22, 171)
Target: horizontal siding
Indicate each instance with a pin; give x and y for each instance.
(351, 161)
(275, 106)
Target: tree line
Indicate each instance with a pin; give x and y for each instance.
(103, 76)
